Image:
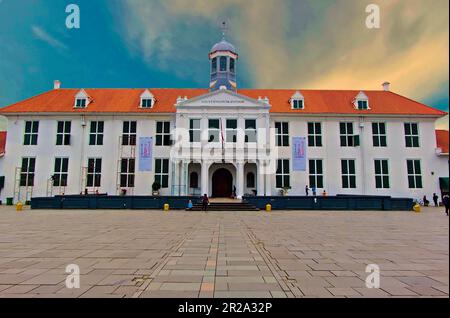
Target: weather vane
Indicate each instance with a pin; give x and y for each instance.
(224, 28)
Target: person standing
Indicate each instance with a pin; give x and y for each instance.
(190, 205)
(307, 190)
(435, 199)
(446, 202)
(425, 201)
(205, 202)
(314, 191)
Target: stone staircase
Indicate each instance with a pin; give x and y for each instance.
(226, 206)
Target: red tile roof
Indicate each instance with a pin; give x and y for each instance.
(2, 142)
(442, 140)
(127, 101)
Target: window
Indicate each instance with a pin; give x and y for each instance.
(214, 130)
(297, 104)
(316, 173)
(129, 133)
(31, 133)
(194, 130)
(80, 102)
(61, 172)
(412, 135)
(381, 174)
(214, 65)
(94, 172)
(223, 64)
(250, 180)
(250, 130)
(63, 133)
(282, 175)
(379, 134)
(127, 170)
(348, 173)
(348, 139)
(314, 134)
(193, 180)
(282, 134)
(146, 102)
(162, 172)
(232, 65)
(27, 172)
(163, 133)
(96, 133)
(231, 130)
(363, 105)
(414, 174)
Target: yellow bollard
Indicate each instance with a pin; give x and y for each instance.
(268, 208)
(166, 207)
(416, 208)
(19, 206)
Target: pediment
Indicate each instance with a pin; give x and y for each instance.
(222, 98)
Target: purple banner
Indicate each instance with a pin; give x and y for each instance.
(145, 153)
(299, 153)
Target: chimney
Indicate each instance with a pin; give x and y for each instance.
(386, 86)
(56, 84)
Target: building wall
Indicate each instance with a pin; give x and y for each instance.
(432, 165)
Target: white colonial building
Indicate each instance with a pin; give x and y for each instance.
(220, 140)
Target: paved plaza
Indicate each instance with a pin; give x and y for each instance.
(223, 254)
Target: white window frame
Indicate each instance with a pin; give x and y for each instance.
(280, 134)
(250, 131)
(415, 175)
(63, 134)
(283, 174)
(195, 131)
(411, 136)
(348, 175)
(159, 175)
(314, 135)
(31, 133)
(378, 136)
(383, 174)
(315, 174)
(127, 173)
(231, 131)
(58, 175)
(163, 134)
(213, 131)
(96, 133)
(346, 134)
(29, 174)
(94, 173)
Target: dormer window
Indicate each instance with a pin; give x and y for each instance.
(82, 99)
(147, 99)
(81, 102)
(361, 102)
(363, 105)
(297, 101)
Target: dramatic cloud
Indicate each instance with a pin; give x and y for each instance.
(43, 35)
(301, 44)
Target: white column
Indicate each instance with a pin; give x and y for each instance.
(268, 178)
(239, 179)
(182, 181)
(176, 185)
(260, 179)
(205, 170)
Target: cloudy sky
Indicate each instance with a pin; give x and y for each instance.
(282, 44)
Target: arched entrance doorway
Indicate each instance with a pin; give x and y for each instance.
(222, 183)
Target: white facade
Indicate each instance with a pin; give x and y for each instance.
(205, 157)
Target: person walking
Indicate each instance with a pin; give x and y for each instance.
(307, 190)
(435, 199)
(205, 202)
(446, 202)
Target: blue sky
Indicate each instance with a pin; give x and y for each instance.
(282, 44)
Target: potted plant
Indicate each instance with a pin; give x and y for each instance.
(284, 191)
(156, 187)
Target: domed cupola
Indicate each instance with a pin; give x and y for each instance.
(223, 59)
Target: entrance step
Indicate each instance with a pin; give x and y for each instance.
(226, 206)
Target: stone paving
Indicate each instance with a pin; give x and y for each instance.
(223, 254)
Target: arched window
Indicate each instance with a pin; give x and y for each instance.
(214, 65)
(232, 65)
(223, 63)
(193, 180)
(250, 180)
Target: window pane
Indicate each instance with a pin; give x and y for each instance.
(310, 128)
(250, 124)
(319, 167)
(93, 126)
(374, 128)
(158, 165)
(28, 127)
(377, 167)
(344, 182)
(407, 129)
(59, 140)
(378, 182)
(214, 123)
(223, 63)
(133, 127)
(165, 181)
(311, 141)
(414, 129)
(319, 182)
(418, 182)
(100, 127)
(159, 140)
(165, 166)
(126, 126)
(232, 124)
(285, 166)
(352, 182)
(57, 164)
(382, 128)
(344, 167)
(60, 127)
(417, 169)
(287, 182)
(352, 166)
(34, 139)
(318, 141)
(100, 140)
(386, 182)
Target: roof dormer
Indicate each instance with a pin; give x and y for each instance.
(147, 99)
(361, 101)
(297, 101)
(82, 99)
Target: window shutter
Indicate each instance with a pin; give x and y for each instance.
(357, 141)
